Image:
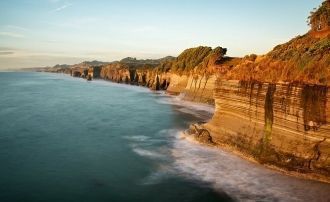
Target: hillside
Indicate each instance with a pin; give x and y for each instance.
(304, 59)
(192, 60)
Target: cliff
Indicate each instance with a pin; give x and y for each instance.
(276, 107)
(194, 87)
(190, 74)
(193, 73)
(281, 124)
(137, 72)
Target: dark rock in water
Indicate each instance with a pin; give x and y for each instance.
(200, 134)
(76, 74)
(89, 77)
(204, 136)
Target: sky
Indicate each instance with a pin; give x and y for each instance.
(35, 33)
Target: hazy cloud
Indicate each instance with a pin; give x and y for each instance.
(6, 52)
(14, 27)
(37, 60)
(6, 48)
(12, 34)
(61, 8)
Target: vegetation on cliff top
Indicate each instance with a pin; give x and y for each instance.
(193, 59)
(136, 62)
(322, 11)
(304, 59)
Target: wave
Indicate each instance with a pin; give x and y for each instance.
(222, 171)
(167, 133)
(199, 110)
(149, 153)
(140, 89)
(240, 178)
(163, 172)
(139, 138)
(177, 100)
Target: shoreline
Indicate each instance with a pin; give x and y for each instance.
(246, 157)
(228, 148)
(177, 101)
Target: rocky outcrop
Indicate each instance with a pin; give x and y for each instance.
(195, 88)
(275, 107)
(200, 134)
(191, 74)
(282, 124)
(200, 88)
(76, 74)
(116, 72)
(178, 84)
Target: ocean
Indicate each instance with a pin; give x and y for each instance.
(66, 139)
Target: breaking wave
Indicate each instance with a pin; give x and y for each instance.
(218, 169)
(139, 138)
(240, 178)
(225, 172)
(148, 153)
(199, 110)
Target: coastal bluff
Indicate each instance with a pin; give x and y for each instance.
(274, 107)
(281, 124)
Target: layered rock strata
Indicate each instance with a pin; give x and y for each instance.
(283, 124)
(192, 87)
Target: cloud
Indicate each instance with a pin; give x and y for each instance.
(6, 53)
(37, 60)
(6, 48)
(12, 34)
(61, 8)
(14, 27)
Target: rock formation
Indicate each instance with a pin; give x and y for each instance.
(276, 107)
(190, 74)
(281, 124)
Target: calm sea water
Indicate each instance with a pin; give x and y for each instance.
(66, 139)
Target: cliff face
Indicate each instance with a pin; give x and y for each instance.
(275, 107)
(195, 88)
(115, 72)
(193, 74)
(190, 74)
(282, 124)
(200, 88)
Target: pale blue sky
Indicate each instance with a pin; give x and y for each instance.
(48, 32)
